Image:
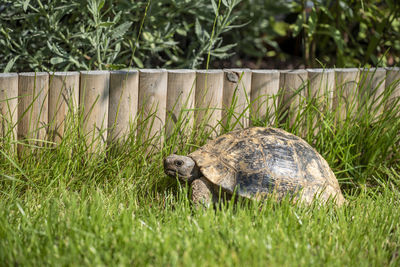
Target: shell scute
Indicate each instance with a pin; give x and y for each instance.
(278, 133)
(313, 167)
(244, 154)
(251, 184)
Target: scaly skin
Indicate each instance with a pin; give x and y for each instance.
(202, 192)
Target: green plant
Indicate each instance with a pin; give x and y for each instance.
(104, 34)
(348, 33)
(263, 25)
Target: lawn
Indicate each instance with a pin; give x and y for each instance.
(110, 226)
(62, 205)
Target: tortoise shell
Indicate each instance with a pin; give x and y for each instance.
(258, 161)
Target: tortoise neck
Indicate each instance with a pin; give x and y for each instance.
(194, 174)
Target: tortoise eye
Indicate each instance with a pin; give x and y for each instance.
(178, 163)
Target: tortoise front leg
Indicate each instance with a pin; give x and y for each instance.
(202, 192)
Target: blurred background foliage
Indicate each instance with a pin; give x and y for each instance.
(57, 35)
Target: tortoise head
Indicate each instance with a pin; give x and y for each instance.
(183, 167)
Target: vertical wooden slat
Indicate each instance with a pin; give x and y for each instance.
(209, 92)
(236, 97)
(293, 86)
(321, 84)
(152, 103)
(372, 86)
(8, 105)
(156, 93)
(33, 90)
(264, 90)
(346, 95)
(63, 98)
(123, 105)
(180, 98)
(94, 99)
(392, 85)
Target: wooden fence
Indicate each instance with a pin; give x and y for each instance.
(34, 106)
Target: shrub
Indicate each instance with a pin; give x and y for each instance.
(105, 34)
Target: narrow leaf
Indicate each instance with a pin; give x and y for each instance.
(297, 26)
(312, 22)
(100, 6)
(198, 30)
(224, 48)
(121, 30)
(106, 24)
(214, 6)
(181, 32)
(326, 11)
(138, 62)
(25, 5)
(57, 60)
(10, 64)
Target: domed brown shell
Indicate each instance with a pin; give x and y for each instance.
(258, 161)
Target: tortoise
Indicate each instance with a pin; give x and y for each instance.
(256, 162)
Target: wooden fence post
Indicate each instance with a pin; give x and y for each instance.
(94, 99)
(9, 105)
(123, 105)
(33, 89)
(293, 86)
(393, 84)
(236, 98)
(210, 98)
(180, 99)
(264, 92)
(152, 104)
(372, 86)
(63, 99)
(320, 89)
(321, 85)
(209, 92)
(346, 95)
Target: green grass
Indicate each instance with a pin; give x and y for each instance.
(65, 206)
(109, 226)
